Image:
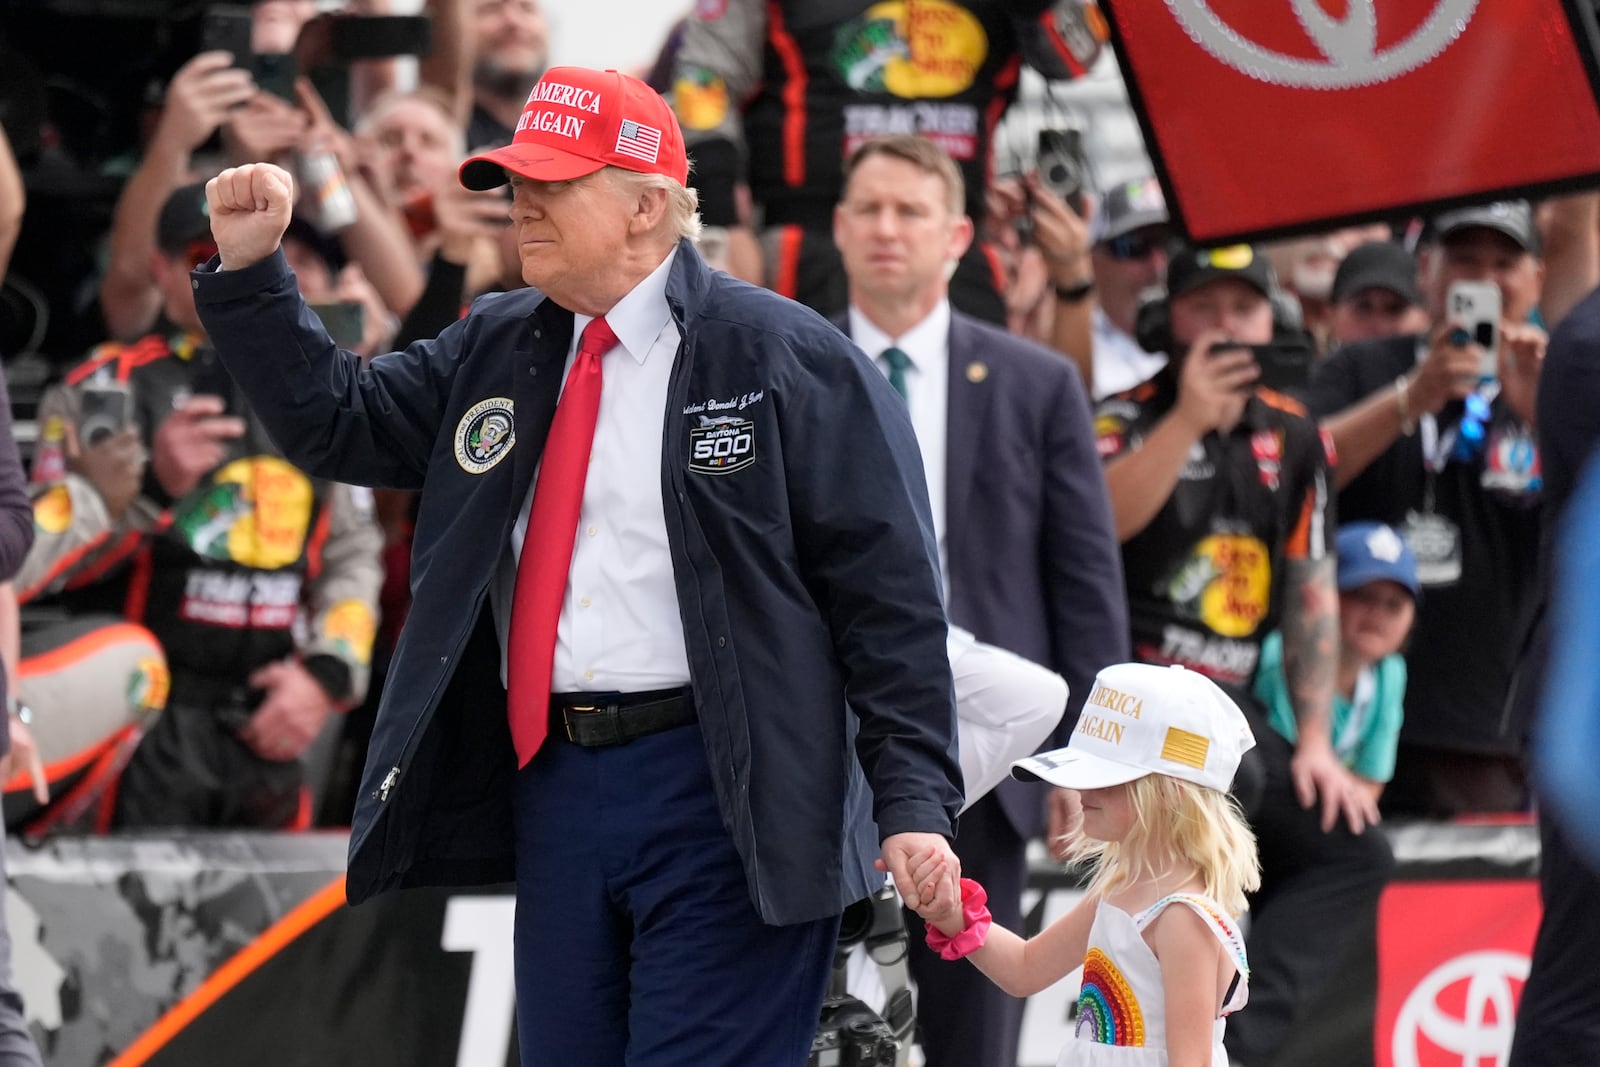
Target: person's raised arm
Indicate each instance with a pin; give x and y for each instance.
(1366, 429)
(336, 415)
(1212, 390)
(377, 240)
(448, 64)
(198, 100)
(1570, 235)
(1062, 238)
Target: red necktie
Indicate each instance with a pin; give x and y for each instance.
(546, 561)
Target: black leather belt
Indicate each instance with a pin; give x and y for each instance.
(595, 720)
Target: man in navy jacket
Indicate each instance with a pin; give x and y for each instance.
(679, 891)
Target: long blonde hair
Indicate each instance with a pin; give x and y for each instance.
(1175, 821)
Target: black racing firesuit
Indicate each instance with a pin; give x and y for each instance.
(1206, 576)
(777, 93)
(257, 563)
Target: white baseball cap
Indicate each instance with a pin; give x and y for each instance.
(1142, 719)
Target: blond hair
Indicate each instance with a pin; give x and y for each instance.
(683, 203)
(1175, 823)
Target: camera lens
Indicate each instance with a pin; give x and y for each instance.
(856, 922)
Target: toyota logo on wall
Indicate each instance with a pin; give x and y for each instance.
(1349, 46)
(1462, 1013)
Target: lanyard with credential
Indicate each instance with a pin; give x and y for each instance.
(1436, 449)
(1461, 440)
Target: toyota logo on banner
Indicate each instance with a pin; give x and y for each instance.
(1466, 1008)
(1349, 45)
(1270, 117)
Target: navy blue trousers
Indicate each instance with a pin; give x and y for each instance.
(637, 944)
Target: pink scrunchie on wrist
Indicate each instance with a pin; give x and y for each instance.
(975, 913)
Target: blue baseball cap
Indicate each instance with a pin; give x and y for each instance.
(1374, 552)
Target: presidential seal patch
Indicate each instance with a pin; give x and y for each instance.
(485, 434)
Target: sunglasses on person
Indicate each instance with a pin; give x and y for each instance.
(1135, 245)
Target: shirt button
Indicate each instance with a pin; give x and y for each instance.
(592, 531)
(584, 602)
(588, 676)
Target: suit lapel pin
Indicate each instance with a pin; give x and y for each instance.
(977, 371)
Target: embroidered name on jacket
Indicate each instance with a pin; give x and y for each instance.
(485, 434)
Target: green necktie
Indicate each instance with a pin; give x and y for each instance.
(898, 361)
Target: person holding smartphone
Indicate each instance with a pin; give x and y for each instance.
(1435, 434)
(1221, 492)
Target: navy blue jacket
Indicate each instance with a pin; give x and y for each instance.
(804, 564)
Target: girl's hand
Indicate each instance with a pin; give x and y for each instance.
(939, 908)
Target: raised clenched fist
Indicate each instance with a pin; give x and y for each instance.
(250, 208)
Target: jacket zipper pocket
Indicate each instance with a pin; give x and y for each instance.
(392, 778)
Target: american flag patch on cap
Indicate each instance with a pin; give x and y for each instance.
(640, 142)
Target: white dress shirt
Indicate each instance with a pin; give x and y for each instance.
(927, 344)
(620, 629)
(1119, 362)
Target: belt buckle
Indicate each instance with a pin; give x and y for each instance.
(566, 717)
(608, 710)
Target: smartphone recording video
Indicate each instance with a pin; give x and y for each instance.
(228, 28)
(104, 410)
(1285, 365)
(1475, 307)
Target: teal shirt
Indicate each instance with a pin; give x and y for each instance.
(1367, 747)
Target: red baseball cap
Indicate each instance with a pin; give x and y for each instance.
(578, 120)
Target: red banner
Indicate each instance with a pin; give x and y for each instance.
(1452, 961)
(1271, 118)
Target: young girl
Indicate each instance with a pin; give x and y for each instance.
(1153, 754)
(1378, 590)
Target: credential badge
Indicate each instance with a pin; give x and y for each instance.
(485, 434)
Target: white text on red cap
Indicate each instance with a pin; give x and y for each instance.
(569, 126)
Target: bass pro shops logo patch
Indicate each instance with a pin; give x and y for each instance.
(485, 434)
(722, 445)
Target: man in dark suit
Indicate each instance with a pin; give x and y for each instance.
(1020, 512)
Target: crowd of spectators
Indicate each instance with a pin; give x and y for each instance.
(252, 609)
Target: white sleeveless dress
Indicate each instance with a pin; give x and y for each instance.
(1121, 1008)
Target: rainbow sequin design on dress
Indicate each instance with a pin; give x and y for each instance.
(1108, 1012)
